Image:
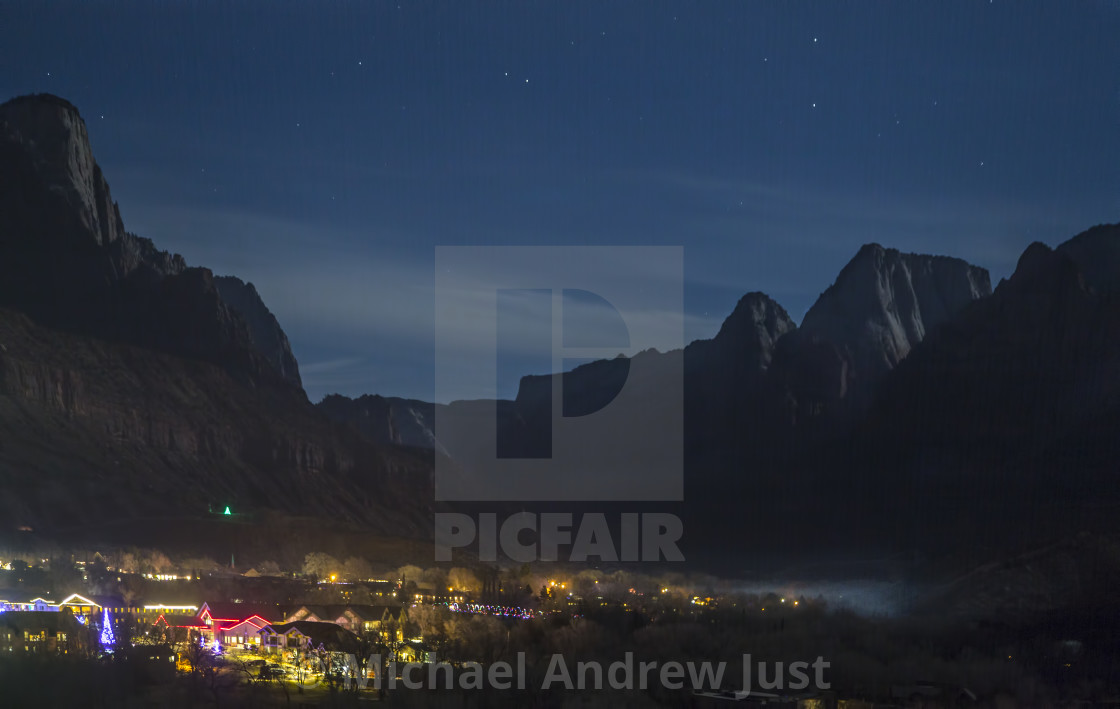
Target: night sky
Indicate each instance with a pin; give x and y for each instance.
(322, 150)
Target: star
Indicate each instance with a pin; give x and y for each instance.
(814, 105)
(814, 40)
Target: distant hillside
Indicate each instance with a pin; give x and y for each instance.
(133, 385)
(914, 407)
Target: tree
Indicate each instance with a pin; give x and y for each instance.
(356, 569)
(320, 565)
(197, 565)
(480, 638)
(435, 577)
(372, 643)
(206, 677)
(463, 579)
(429, 621)
(269, 568)
(128, 562)
(409, 573)
(107, 638)
(157, 562)
(587, 582)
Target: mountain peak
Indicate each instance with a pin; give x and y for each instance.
(44, 99)
(753, 311)
(66, 259)
(1096, 252)
(55, 137)
(884, 302)
(873, 248)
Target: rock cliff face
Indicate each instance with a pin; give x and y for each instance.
(744, 347)
(914, 408)
(58, 216)
(132, 385)
(403, 422)
(57, 149)
(1096, 252)
(96, 431)
(265, 333)
(910, 398)
(881, 306)
(1003, 422)
(69, 262)
(730, 405)
(884, 303)
(1038, 360)
(762, 385)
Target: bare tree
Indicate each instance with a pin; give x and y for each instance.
(463, 579)
(320, 565)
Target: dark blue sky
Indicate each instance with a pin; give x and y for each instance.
(321, 150)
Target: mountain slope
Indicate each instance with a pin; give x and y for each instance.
(264, 331)
(761, 389)
(885, 302)
(132, 385)
(882, 305)
(387, 420)
(1036, 360)
(1004, 424)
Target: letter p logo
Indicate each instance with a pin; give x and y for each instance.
(612, 429)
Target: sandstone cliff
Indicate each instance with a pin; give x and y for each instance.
(133, 385)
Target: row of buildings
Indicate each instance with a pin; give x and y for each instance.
(240, 626)
(42, 625)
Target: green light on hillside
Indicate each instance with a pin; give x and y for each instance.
(227, 512)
